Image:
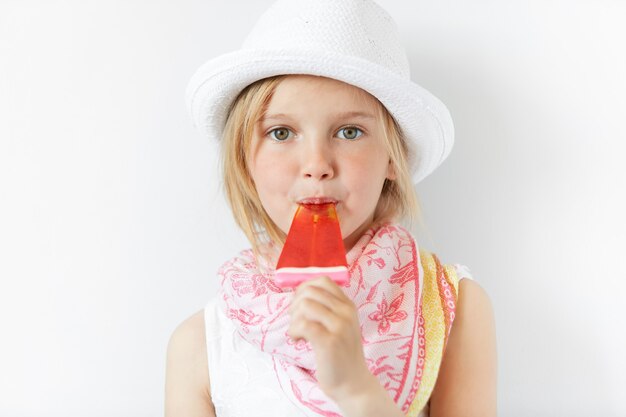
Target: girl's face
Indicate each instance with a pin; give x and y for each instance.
(320, 139)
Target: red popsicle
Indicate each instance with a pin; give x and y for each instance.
(313, 247)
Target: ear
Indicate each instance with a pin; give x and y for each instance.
(391, 171)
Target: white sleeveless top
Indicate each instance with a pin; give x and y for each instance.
(242, 378)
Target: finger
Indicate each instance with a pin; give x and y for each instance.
(321, 295)
(310, 331)
(307, 308)
(324, 290)
(311, 310)
(326, 284)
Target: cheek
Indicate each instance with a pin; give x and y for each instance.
(272, 184)
(366, 176)
(266, 173)
(369, 168)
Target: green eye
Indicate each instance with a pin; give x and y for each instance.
(350, 132)
(280, 134)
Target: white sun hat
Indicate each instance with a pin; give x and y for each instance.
(354, 41)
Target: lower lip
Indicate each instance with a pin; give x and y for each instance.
(318, 201)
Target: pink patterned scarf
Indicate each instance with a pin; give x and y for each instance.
(386, 287)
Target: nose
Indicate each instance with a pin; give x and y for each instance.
(318, 160)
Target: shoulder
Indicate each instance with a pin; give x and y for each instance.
(474, 324)
(473, 300)
(467, 378)
(187, 387)
(187, 341)
(190, 329)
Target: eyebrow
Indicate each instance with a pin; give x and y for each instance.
(345, 115)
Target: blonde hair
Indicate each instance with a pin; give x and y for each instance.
(397, 201)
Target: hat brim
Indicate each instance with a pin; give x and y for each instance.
(424, 119)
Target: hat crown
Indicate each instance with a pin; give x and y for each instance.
(358, 28)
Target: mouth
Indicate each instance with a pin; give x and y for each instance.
(317, 200)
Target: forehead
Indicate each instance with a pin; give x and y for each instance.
(298, 91)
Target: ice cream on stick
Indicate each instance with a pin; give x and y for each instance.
(313, 247)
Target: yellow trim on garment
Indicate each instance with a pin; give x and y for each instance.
(434, 313)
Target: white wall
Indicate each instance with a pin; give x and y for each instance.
(112, 225)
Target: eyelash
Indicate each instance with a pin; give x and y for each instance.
(272, 131)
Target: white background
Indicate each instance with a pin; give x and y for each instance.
(112, 224)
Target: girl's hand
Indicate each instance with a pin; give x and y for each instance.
(324, 316)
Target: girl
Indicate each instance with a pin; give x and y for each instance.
(317, 107)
